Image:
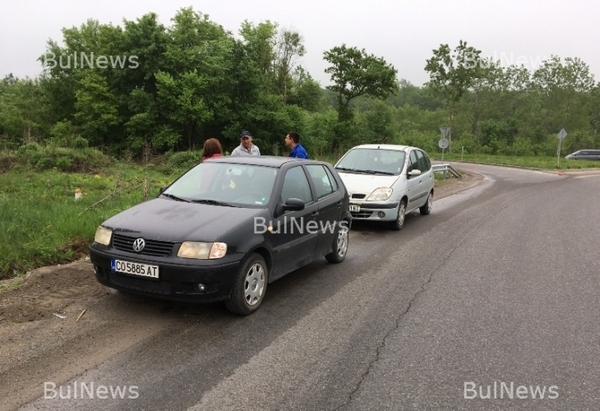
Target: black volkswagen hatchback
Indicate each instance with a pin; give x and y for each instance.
(224, 230)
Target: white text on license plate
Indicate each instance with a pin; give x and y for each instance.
(355, 208)
(127, 267)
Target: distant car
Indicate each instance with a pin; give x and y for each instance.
(387, 181)
(584, 155)
(224, 230)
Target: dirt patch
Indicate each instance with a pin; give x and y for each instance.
(47, 291)
(454, 185)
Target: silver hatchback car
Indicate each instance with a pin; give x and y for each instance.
(386, 181)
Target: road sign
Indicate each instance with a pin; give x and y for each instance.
(562, 134)
(445, 131)
(443, 143)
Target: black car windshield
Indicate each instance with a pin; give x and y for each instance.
(217, 183)
(372, 161)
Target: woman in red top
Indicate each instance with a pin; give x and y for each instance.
(212, 148)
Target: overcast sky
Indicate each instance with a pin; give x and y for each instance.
(404, 33)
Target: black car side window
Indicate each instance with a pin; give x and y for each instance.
(295, 185)
(320, 180)
(334, 184)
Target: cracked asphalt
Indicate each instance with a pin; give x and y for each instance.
(499, 285)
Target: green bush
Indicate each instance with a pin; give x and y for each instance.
(44, 163)
(62, 158)
(80, 142)
(63, 134)
(7, 161)
(423, 139)
(184, 159)
(64, 163)
(28, 148)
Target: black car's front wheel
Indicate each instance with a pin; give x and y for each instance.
(249, 287)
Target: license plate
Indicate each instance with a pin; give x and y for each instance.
(354, 208)
(142, 270)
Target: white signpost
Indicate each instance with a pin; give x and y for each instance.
(561, 136)
(444, 143)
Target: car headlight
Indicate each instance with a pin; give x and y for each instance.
(380, 194)
(103, 235)
(202, 251)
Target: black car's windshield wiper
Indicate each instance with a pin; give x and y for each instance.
(171, 196)
(213, 202)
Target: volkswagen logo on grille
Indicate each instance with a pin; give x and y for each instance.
(138, 245)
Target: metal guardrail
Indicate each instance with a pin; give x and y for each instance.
(443, 168)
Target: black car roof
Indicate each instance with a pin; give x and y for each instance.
(270, 161)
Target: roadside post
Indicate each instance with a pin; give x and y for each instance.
(444, 143)
(561, 136)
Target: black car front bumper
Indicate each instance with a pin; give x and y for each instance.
(188, 281)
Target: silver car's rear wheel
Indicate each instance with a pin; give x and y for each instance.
(428, 206)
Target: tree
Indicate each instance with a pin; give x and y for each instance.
(452, 73)
(355, 73)
(379, 125)
(21, 114)
(289, 49)
(192, 87)
(409, 94)
(564, 87)
(304, 91)
(96, 108)
(594, 111)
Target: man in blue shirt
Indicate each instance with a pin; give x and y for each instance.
(292, 140)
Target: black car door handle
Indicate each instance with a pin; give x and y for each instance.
(315, 213)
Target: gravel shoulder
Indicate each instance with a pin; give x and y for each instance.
(57, 322)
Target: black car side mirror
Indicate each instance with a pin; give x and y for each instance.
(162, 189)
(293, 204)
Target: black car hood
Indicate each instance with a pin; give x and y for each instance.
(169, 220)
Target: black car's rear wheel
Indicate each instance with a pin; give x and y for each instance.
(340, 244)
(249, 287)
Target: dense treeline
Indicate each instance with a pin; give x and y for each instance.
(148, 88)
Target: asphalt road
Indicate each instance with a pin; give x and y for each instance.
(495, 294)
